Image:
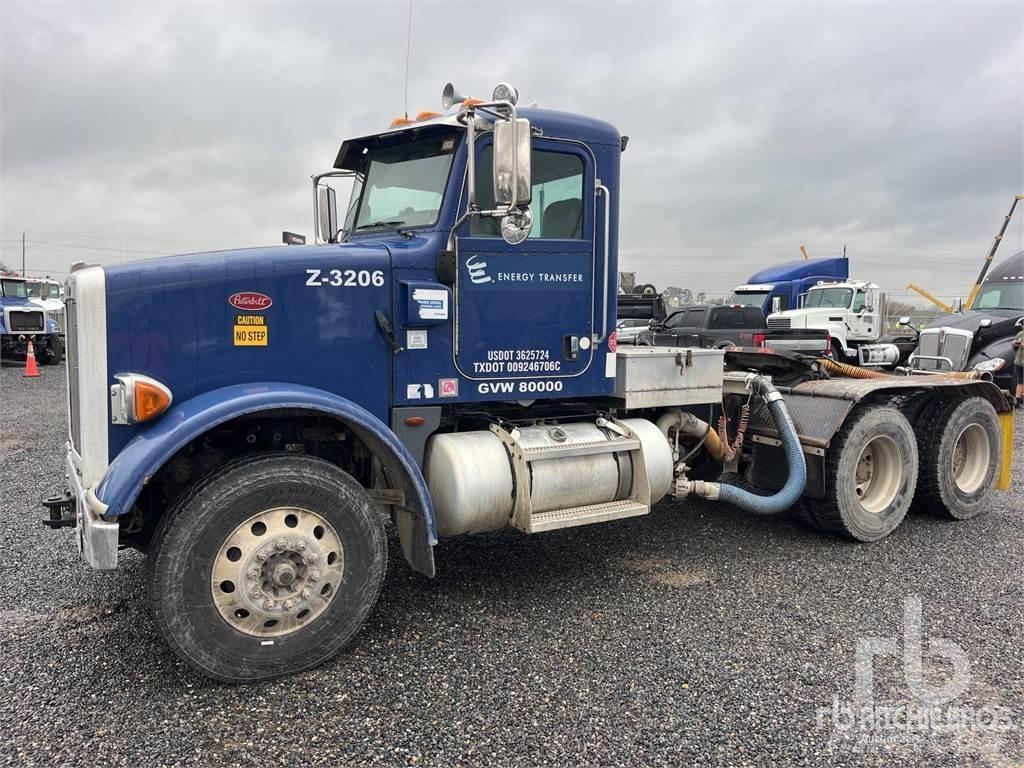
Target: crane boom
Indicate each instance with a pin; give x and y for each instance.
(933, 299)
(991, 254)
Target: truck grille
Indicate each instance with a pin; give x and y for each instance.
(944, 342)
(71, 353)
(778, 323)
(22, 321)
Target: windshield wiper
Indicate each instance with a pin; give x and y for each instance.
(377, 224)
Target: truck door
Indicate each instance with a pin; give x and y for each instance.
(863, 321)
(526, 311)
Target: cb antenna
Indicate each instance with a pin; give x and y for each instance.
(408, 50)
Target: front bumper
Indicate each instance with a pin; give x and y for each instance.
(97, 538)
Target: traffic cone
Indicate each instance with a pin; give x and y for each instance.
(31, 369)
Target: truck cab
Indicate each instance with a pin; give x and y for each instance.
(25, 317)
(852, 312)
(778, 288)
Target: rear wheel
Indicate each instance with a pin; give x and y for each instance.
(870, 475)
(961, 450)
(267, 567)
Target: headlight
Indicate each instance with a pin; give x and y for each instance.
(990, 366)
(137, 398)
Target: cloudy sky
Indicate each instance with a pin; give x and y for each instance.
(895, 128)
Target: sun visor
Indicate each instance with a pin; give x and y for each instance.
(352, 151)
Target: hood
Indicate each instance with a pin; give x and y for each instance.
(1002, 320)
(798, 318)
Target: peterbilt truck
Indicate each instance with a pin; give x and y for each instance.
(444, 355)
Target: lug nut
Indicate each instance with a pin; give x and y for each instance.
(254, 573)
(305, 594)
(280, 544)
(262, 555)
(254, 593)
(300, 546)
(268, 605)
(312, 558)
(314, 576)
(288, 605)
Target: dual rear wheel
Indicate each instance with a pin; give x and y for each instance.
(879, 466)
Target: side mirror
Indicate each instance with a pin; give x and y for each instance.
(512, 161)
(776, 304)
(327, 213)
(1019, 323)
(904, 320)
(869, 301)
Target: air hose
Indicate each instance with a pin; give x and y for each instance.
(786, 496)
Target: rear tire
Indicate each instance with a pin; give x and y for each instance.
(961, 450)
(870, 476)
(267, 567)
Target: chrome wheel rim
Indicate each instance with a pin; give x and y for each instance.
(879, 474)
(971, 456)
(277, 572)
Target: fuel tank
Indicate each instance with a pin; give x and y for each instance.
(471, 480)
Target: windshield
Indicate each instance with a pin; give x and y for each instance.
(1000, 296)
(748, 298)
(404, 184)
(34, 290)
(13, 289)
(835, 298)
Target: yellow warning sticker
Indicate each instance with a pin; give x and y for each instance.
(250, 331)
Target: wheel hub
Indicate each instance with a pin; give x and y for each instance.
(277, 571)
(878, 474)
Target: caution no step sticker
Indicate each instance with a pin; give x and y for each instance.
(250, 331)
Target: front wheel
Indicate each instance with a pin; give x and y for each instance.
(54, 352)
(870, 475)
(267, 567)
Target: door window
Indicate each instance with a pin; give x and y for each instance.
(858, 302)
(556, 202)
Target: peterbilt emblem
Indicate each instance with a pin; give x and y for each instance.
(477, 270)
(250, 301)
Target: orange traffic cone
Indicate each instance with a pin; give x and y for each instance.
(31, 369)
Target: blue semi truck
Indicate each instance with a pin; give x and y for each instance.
(444, 357)
(778, 288)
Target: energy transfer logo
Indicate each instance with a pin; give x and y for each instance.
(477, 270)
(931, 719)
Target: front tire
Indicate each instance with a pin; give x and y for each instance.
(961, 452)
(870, 476)
(54, 353)
(268, 567)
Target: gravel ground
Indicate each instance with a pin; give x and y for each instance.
(696, 635)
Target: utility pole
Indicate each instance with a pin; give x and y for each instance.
(23, 254)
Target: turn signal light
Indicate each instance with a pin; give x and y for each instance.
(136, 398)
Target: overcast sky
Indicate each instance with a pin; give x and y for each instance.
(894, 128)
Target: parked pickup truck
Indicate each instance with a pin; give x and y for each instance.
(711, 327)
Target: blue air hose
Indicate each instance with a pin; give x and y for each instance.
(786, 496)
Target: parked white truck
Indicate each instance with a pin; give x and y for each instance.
(845, 319)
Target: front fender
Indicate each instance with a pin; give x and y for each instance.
(151, 449)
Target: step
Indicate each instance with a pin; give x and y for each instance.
(593, 513)
(617, 445)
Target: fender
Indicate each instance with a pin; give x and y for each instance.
(148, 451)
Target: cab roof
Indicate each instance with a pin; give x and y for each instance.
(548, 122)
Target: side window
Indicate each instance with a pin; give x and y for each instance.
(858, 301)
(557, 199)
(675, 320)
(694, 318)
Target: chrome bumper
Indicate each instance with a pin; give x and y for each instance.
(97, 539)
